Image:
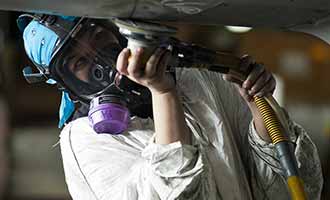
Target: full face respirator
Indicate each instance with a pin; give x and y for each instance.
(83, 64)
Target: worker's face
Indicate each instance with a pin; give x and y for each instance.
(86, 63)
(86, 67)
(94, 47)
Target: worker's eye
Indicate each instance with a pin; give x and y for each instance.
(80, 64)
(99, 34)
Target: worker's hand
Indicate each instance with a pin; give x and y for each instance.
(259, 82)
(151, 75)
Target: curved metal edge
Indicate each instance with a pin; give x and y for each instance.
(320, 29)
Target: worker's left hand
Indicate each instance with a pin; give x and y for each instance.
(259, 82)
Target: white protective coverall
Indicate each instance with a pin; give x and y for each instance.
(228, 160)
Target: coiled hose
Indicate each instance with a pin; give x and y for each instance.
(283, 146)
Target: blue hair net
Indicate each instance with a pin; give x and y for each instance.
(39, 42)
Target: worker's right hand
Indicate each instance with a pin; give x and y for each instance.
(152, 74)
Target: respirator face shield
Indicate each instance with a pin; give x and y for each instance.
(85, 66)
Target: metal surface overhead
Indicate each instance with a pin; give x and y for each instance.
(308, 16)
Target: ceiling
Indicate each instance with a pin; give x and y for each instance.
(301, 15)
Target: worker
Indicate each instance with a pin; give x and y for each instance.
(149, 133)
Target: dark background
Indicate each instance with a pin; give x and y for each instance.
(30, 167)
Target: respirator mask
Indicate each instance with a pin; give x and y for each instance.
(85, 66)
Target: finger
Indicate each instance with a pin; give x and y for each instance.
(163, 62)
(253, 76)
(152, 64)
(260, 83)
(245, 63)
(268, 89)
(245, 95)
(122, 61)
(135, 68)
(231, 78)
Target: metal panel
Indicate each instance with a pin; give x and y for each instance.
(320, 29)
(276, 14)
(280, 13)
(95, 8)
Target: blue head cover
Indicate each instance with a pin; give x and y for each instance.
(39, 43)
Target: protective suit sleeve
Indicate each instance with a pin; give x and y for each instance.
(268, 181)
(220, 96)
(129, 166)
(178, 171)
(258, 157)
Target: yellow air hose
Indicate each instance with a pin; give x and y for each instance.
(282, 145)
(276, 126)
